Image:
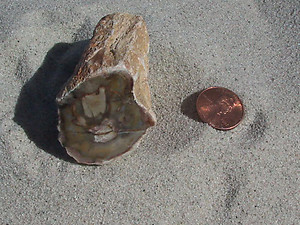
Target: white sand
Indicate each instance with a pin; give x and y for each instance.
(184, 172)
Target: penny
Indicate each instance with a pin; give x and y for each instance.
(220, 108)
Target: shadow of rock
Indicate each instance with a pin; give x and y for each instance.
(36, 110)
(188, 107)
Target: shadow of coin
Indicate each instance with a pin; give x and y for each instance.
(188, 107)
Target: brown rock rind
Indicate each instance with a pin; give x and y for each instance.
(120, 41)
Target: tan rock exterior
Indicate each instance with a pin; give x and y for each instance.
(120, 42)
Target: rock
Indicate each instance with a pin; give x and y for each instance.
(105, 107)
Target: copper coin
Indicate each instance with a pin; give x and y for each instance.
(220, 108)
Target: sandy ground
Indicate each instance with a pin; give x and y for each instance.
(183, 172)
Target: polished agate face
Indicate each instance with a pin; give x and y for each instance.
(100, 120)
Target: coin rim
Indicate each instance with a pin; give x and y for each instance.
(217, 128)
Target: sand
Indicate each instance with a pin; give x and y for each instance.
(184, 171)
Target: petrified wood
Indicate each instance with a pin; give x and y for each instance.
(105, 107)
